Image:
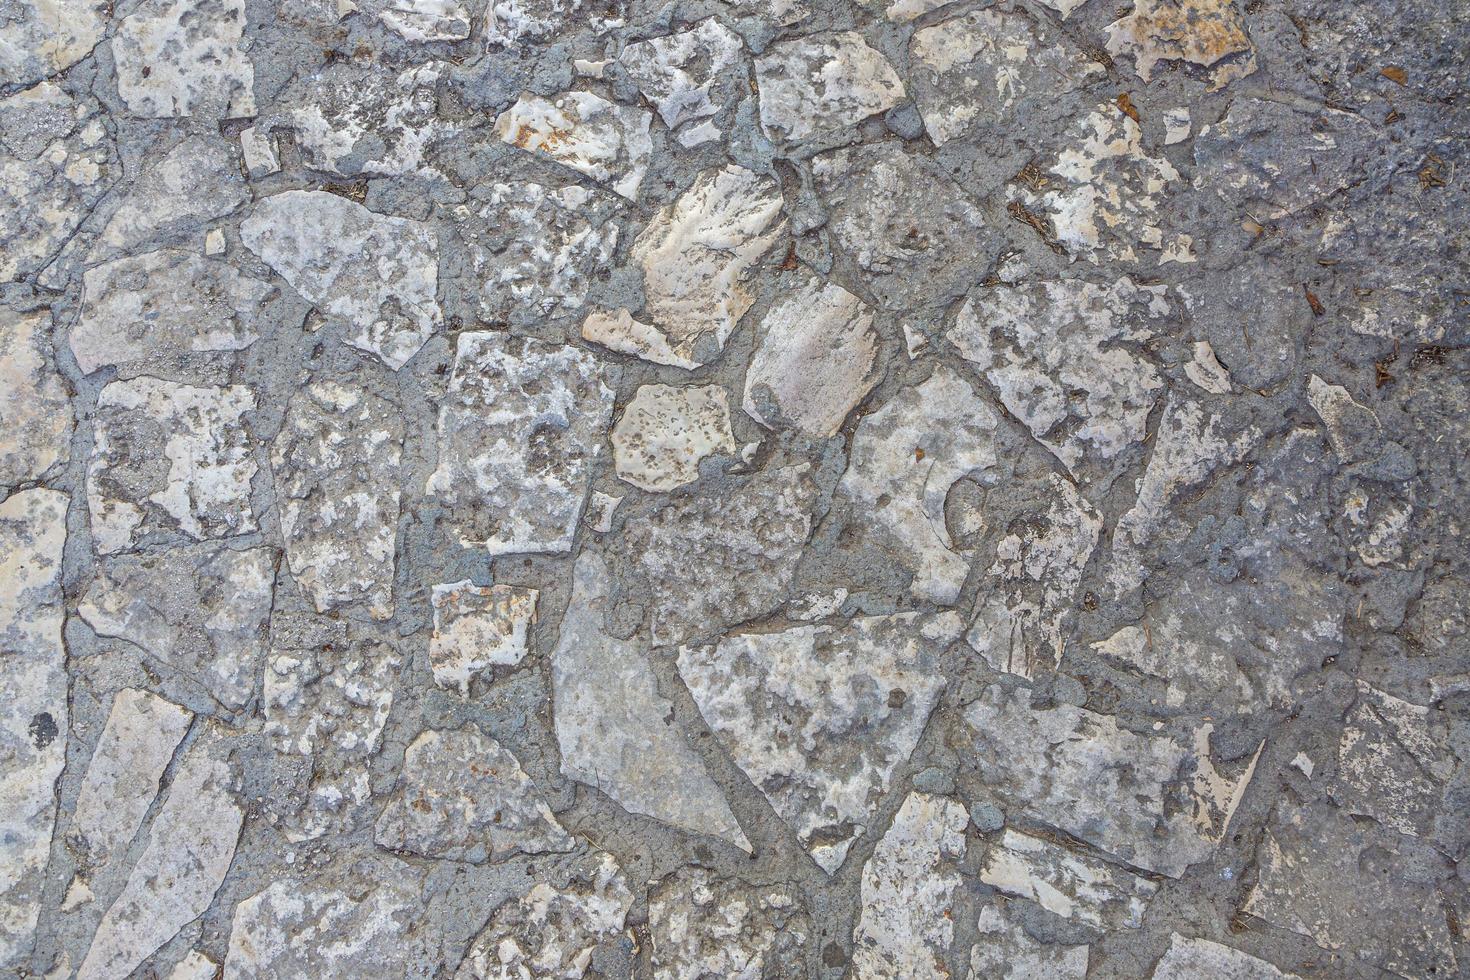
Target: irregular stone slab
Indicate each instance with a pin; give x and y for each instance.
(194, 966)
(335, 463)
(426, 20)
(190, 847)
(680, 73)
(464, 797)
(1393, 763)
(665, 433)
(815, 361)
(552, 930)
(477, 627)
(1005, 950)
(202, 609)
(1206, 33)
(989, 71)
(169, 458)
(140, 737)
(43, 37)
(34, 714)
(822, 84)
(618, 331)
(585, 133)
(258, 152)
(194, 182)
(612, 724)
(56, 163)
(1129, 795)
(376, 275)
(1063, 357)
(1068, 884)
(819, 717)
(712, 562)
(163, 304)
(914, 232)
(538, 249)
(905, 927)
(1189, 447)
(702, 925)
(35, 412)
(784, 12)
(905, 457)
(1206, 371)
(1188, 959)
(695, 254)
(519, 430)
(1019, 623)
(301, 928)
(523, 22)
(1342, 885)
(185, 58)
(1353, 429)
(326, 705)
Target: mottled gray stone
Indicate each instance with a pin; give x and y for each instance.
(1066, 883)
(477, 627)
(585, 133)
(1186, 959)
(35, 412)
(819, 85)
(184, 58)
(702, 925)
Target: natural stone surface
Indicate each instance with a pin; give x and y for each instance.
(195, 180)
(477, 627)
(665, 433)
(682, 74)
(705, 926)
(42, 37)
(820, 85)
(35, 412)
(184, 58)
(1207, 33)
(1006, 950)
(583, 132)
(1066, 883)
(1189, 958)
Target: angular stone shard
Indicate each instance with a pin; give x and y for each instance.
(202, 609)
(1005, 950)
(137, 743)
(464, 797)
(1068, 884)
(169, 458)
(821, 85)
(905, 458)
(1206, 371)
(190, 847)
(712, 562)
(665, 433)
(42, 37)
(702, 925)
(335, 463)
(819, 717)
(1189, 959)
(522, 22)
(185, 58)
(551, 931)
(618, 331)
(538, 249)
(815, 360)
(34, 714)
(1064, 359)
(35, 412)
(195, 181)
(613, 726)
(163, 304)
(681, 73)
(426, 20)
(585, 133)
(476, 627)
(195, 966)
(519, 430)
(1394, 761)
(1206, 33)
(1352, 428)
(908, 895)
(376, 275)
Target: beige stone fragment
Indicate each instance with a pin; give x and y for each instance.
(665, 433)
(184, 58)
(476, 627)
(821, 84)
(1194, 959)
(1207, 33)
(1066, 883)
(585, 133)
(35, 412)
(42, 37)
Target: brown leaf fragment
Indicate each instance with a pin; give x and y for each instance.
(1126, 104)
(788, 264)
(1395, 74)
(1316, 304)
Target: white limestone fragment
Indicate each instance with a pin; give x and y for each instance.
(784, 12)
(822, 84)
(377, 275)
(904, 11)
(476, 627)
(335, 464)
(695, 254)
(679, 73)
(1353, 429)
(618, 331)
(522, 22)
(1393, 762)
(426, 20)
(1005, 950)
(185, 58)
(1068, 884)
(1206, 371)
(258, 150)
(905, 457)
(169, 457)
(819, 717)
(519, 430)
(600, 509)
(1058, 354)
(909, 890)
(815, 360)
(190, 847)
(202, 609)
(702, 925)
(122, 779)
(194, 966)
(214, 242)
(195, 181)
(1190, 959)
(35, 412)
(463, 797)
(1063, 7)
(1377, 527)
(584, 132)
(551, 931)
(1177, 125)
(1206, 33)
(665, 432)
(34, 714)
(162, 304)
(40, 38)
(612, 723)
